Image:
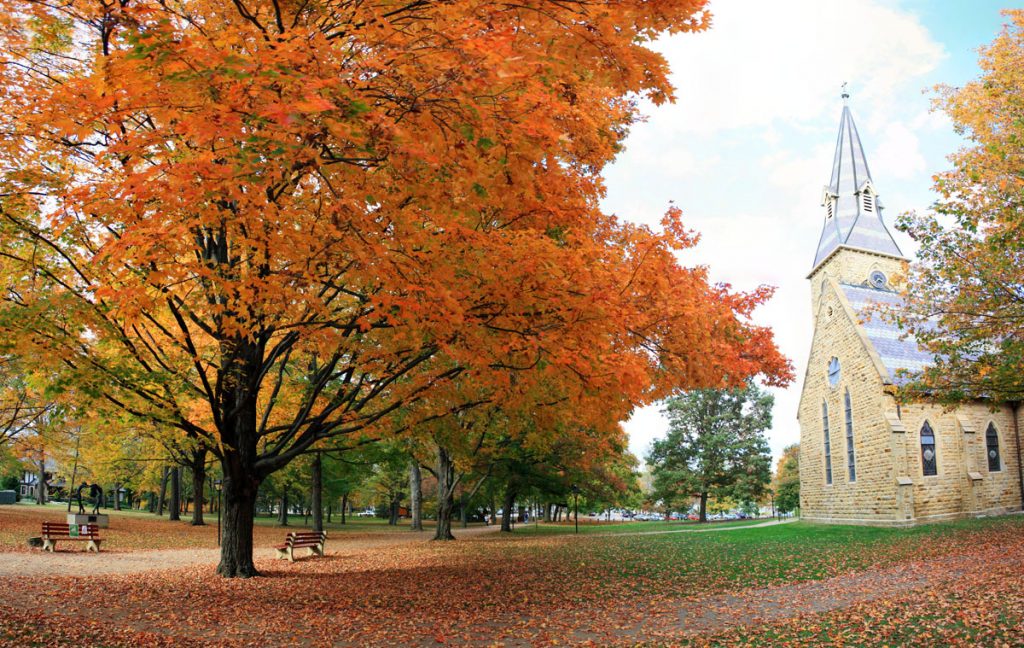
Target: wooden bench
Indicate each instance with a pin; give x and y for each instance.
(302, 540)
(54, 531)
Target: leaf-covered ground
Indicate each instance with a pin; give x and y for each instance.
(134, 531)
(539, 590)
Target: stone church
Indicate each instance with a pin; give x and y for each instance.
(865, 458)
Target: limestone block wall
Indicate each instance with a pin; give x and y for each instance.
(872, 497)
(854, 267)
(964, 486)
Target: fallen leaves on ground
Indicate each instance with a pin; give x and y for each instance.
(531, 590)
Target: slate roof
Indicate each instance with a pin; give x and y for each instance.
(850, 225)
(896, 350)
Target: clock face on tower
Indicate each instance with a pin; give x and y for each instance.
(833, 372)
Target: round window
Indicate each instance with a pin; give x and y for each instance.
(877, 279)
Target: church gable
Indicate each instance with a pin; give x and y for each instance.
(839, 334)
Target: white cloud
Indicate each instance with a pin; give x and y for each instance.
(761, 62)
(898, 155)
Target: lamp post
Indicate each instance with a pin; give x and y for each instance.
(576, 506)
(217, 485)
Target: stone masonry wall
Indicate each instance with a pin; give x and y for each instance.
(964, 486)
(871, 497)
(854, 267)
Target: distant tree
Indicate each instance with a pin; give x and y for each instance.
(965, 299)
(787, 480)
(715, 447)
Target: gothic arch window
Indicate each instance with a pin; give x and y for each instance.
(828, 446)
(851, 463)
(992, 448)
(928, 464)
(834, 372)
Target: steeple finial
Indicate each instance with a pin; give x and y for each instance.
(846, 93)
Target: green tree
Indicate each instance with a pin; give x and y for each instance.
(787, 480)
(715, 447)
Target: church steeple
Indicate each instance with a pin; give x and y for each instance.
(853, 213)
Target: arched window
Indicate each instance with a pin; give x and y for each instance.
(828, 446)
(851, 463)
(928, 463)
(992, 448)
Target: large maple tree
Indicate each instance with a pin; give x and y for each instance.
(262, 225)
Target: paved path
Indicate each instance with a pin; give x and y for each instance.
(71, 560)
(74, 562)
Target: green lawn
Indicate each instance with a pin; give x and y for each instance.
(683, 564)
(628, 527)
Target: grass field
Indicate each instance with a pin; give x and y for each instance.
(542, 586)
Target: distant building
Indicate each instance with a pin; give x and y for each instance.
(864, 458)
(29, 485)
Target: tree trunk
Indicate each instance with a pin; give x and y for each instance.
(236, 536)
(416, 495)
(330, 510)
(445, 495)
(506, 511)
(41, 489)
(463, 513)
(344, 507)
(547, 512)
(494, 512)
(117, 496)
(703, 507)
(396, 503)
(316, 497)
(163, 492)
(282, 514)
(198, 486)
(175, 505)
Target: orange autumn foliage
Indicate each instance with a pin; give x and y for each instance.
(264, 224)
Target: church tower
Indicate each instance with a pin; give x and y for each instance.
(865, 456)
(855, 246)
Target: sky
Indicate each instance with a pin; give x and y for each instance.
(747, 148)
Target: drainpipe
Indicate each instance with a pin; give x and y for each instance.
(1020, 468)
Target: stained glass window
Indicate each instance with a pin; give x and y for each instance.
(851, 463)
(928, 464)
(828, 446)
(992, 448)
